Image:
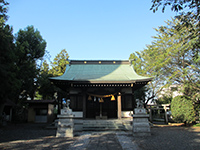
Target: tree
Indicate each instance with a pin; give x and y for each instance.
(165, 99)
(8, 81)
(189, 13)
(177, 5)
(142, 65)
(59, 63)
(182, 109)
(3, 11)
(58, 67)
(176, 55)
(46, 89)
(189, 21)
(173, 58)
(30, 47)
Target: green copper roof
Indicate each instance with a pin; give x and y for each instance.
(100, 71)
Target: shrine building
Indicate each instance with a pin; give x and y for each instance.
(100, 89)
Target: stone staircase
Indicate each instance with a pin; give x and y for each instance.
(103, 125)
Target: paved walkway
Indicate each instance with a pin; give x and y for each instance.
(104, 141)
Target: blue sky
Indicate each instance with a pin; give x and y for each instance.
(89, 29)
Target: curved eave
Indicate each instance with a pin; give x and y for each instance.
(64, 84)
(100, 81)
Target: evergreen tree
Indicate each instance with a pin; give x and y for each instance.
(30, 48)
(46, 89)
(173, 58)
(9, 83)
(59, 63)
(3, 11)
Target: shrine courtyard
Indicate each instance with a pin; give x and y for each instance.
(37, 136)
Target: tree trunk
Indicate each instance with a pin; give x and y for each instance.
(1, 112)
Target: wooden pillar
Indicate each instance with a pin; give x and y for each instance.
(119, 106)
(133, 100)
(84, 104)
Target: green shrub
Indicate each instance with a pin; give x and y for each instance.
(182, 109)
(196, 125)
(164, 100)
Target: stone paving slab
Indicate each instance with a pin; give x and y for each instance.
(126, 141)
(104, 141)
(81, 143)
(109, 140)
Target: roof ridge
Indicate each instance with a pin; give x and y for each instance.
(99, 62)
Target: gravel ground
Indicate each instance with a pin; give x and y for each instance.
(170, 138)
(36, 136)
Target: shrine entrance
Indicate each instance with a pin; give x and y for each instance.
(101, 108)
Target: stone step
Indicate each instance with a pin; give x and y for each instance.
(102, 125)
(95, 125)
(105, 124)
(102, 128)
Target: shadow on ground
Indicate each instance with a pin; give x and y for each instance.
(31, 136)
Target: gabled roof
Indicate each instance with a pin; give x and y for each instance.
(100, 71)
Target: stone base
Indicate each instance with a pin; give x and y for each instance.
(141, 125)
(65, 131)
(65, 126)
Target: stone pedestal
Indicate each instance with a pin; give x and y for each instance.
(65, 122)
(65, 126)
(141, 125)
